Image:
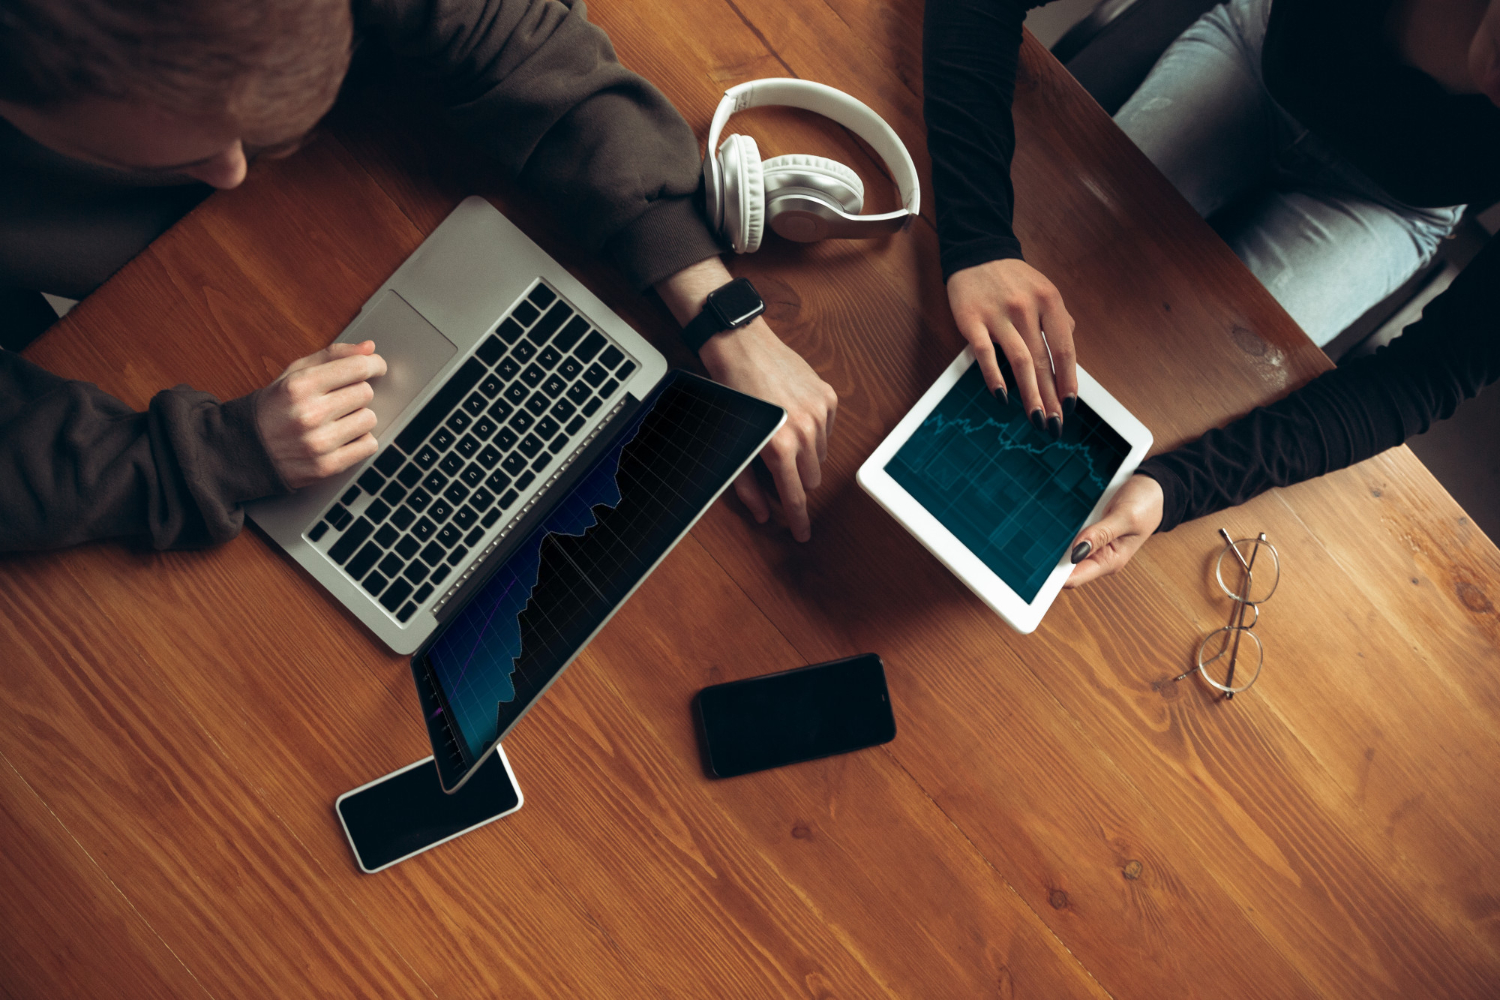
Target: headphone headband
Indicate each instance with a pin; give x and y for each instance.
(834, 105)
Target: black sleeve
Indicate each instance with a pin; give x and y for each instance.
(1348, 414)
(970, 50)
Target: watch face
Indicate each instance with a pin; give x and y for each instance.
(737, 303)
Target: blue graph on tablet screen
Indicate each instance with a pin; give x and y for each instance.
(1008, 492)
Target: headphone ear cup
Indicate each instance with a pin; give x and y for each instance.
(744, 193)
(818, 174)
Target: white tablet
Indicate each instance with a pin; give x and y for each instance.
(996, 500)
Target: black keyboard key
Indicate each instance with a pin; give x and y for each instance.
(510, 331)
(530, 445)
(318, 531)
(481, 499)
(595, 375)
(508, 499)
(375, 583)
(473, 537)
(439, 406)
(393, 493)
(558, 444)
(576, 328)
(423, 592)
(515, 463)
(579, 392)
(517, 393)
(575, 425)
(521, 422)
(456, 492)
(449, 536)
(490, 457)
(339, 517)
(418, 500)
(549, 323)
(406, 612)
(592, 406)
(423, 529)
(612, 356)
(409, 476)
(434, 482)
(570, 368)
(538, 404)
(491, 349)
(525, 313)
(491, 386)
(389, 461)
(501, 410)
(554, 386)
(523, 352)
(483, 428)
(608, 389)
(370, 480)
(391, 564)
(457, 555)
(488, 521)
(465, 518)
(416, 572)
(549, 357)
(399, 591)
(592, 345)
(473, 475)
(509, 369)
(361, 563)
(377, 511)
(433, 554)
(625, 370)
(426, 456)
(440, 511)
(498, 481)
(467, 446)
(533, 376)
(403, 517)
(476, 403)
(386, 537)
(353, 539)
(525, 480)
(459, 422)
(443, 439)
(541, 462)
(546, 427)
(506, 439)
(562, 410)
(541, 296)
(438, 575)
(407, 547)
(450, 464)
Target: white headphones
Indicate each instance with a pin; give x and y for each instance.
(804, 198)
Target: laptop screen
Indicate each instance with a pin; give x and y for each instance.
(595, 546)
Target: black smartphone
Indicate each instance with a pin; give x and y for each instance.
(407, 812)
(795, 715)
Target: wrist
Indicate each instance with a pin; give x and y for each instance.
(724, 350)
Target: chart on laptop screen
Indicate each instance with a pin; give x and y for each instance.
(509, 642)
(1008, 492)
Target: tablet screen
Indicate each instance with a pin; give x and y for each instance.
(1007, 492)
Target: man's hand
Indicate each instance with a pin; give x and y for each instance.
(1128, 521)
(1012, 304)
(753, 360)
(315, 419)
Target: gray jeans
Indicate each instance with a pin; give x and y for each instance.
(1326, 240)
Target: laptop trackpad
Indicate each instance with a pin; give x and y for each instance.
(413, 349)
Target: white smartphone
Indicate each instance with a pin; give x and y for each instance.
(407, 812)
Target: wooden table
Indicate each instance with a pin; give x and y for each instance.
(1055, 818)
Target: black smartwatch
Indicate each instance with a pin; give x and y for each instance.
(729, 307)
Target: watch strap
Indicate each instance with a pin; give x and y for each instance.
(701, 328)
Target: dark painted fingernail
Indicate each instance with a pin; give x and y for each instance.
(1001, 395)
(1081, 551)
(1069, 402)
(1054, 427)
(1038, 421)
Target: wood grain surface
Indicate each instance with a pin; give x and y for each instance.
(1055, 819)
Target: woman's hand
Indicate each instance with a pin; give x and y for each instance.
(1012, 304)
(1128, 521)
(315, 419)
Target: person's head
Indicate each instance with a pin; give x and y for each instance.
(171, 86)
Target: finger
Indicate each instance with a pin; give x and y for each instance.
(1022, 373)
(752, 496)
(346, 456)
(1028, 325)
(809, 465)
(342, 402)
(335, 434)
(340, 372)
(782, 461)
(978, 336)
(330, 353)
(1058, 326)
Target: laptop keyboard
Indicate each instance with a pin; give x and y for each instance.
(520, 402)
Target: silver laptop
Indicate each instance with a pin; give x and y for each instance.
(502, 370)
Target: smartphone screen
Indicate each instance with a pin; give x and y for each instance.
(796, 715)
(406, 812)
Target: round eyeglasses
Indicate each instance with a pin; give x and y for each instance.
(1230, 658)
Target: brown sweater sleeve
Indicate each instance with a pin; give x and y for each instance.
(77, 464)
(536, 86)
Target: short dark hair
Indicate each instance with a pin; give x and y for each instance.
(272, 66)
